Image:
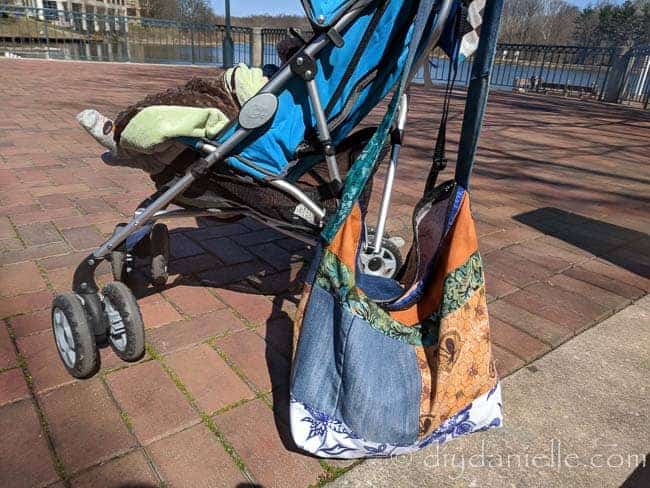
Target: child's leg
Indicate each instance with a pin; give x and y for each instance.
(98, 126)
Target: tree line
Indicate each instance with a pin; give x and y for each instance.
(523, 21)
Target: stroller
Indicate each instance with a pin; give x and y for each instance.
(288, 161)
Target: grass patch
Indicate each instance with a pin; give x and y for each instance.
(236, 404)
(127, 420)
(331, 473)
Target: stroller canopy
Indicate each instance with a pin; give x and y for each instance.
(351, 79)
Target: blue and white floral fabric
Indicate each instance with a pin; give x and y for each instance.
(328, 437)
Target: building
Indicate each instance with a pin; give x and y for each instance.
(83, 15)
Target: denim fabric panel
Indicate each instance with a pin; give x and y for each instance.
(379, 288)
(380, 395)
(316, 377)
(458, 199)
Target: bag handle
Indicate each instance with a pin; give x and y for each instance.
(363, 167)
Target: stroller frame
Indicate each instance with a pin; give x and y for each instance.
(85, 318)
(116, 318)
(255, 113)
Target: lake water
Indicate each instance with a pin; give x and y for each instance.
(504, 74)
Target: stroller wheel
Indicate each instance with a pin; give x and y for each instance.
(74, 336)
(159, 254)
(387, 262)
(126, 328)
(119, 265)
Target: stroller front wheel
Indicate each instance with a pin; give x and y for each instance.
(126, 327)
(159, 254)
(74, 337)
(386, 263)
(119, 266)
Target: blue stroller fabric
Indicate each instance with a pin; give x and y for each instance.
(351, 80)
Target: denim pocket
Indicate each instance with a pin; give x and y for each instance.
(316, 378)
(356, 374)
(380, 387)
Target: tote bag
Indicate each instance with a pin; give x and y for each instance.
(386, 367)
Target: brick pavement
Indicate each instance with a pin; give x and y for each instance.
(560, 195)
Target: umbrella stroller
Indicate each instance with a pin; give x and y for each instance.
(288, 160)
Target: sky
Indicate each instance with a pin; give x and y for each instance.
(251, 7)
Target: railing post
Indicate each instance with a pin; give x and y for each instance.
(477, 93)
(257, 47)
(125, 19)
(617, 76)
(228, 45)
(192, 42)
(541, 69)
(47, 36)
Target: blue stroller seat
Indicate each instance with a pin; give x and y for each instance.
(289, 160)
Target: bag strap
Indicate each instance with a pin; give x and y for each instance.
(440, 161)
(357, 178)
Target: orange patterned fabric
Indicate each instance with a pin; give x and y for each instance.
(346, 240)
(458, 369)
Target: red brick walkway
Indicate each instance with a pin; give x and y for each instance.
(561, 193)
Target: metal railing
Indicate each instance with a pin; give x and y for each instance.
(636, 86)
(570, 69)
(89, 35)
(99, 35)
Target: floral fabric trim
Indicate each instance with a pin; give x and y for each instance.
(324, 436)
(336, 278)
(459, 286)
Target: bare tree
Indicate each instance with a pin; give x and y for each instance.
(160, 9)
(538, 21)
(195, 11)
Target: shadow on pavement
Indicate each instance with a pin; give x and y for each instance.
(640, 477)
(626, 248)
(242, 274)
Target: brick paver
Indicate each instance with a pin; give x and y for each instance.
(19, 278)
(560, 202)
(84, 410)
(24, 454)
(7, 350)
(208, 378)
(45, 366)
(12, 386)
(151, 400)
(132, 469)
(194, 458)
(31, 322)
(193, 300)
(262, 443)
(186, 333)
(261, 364)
